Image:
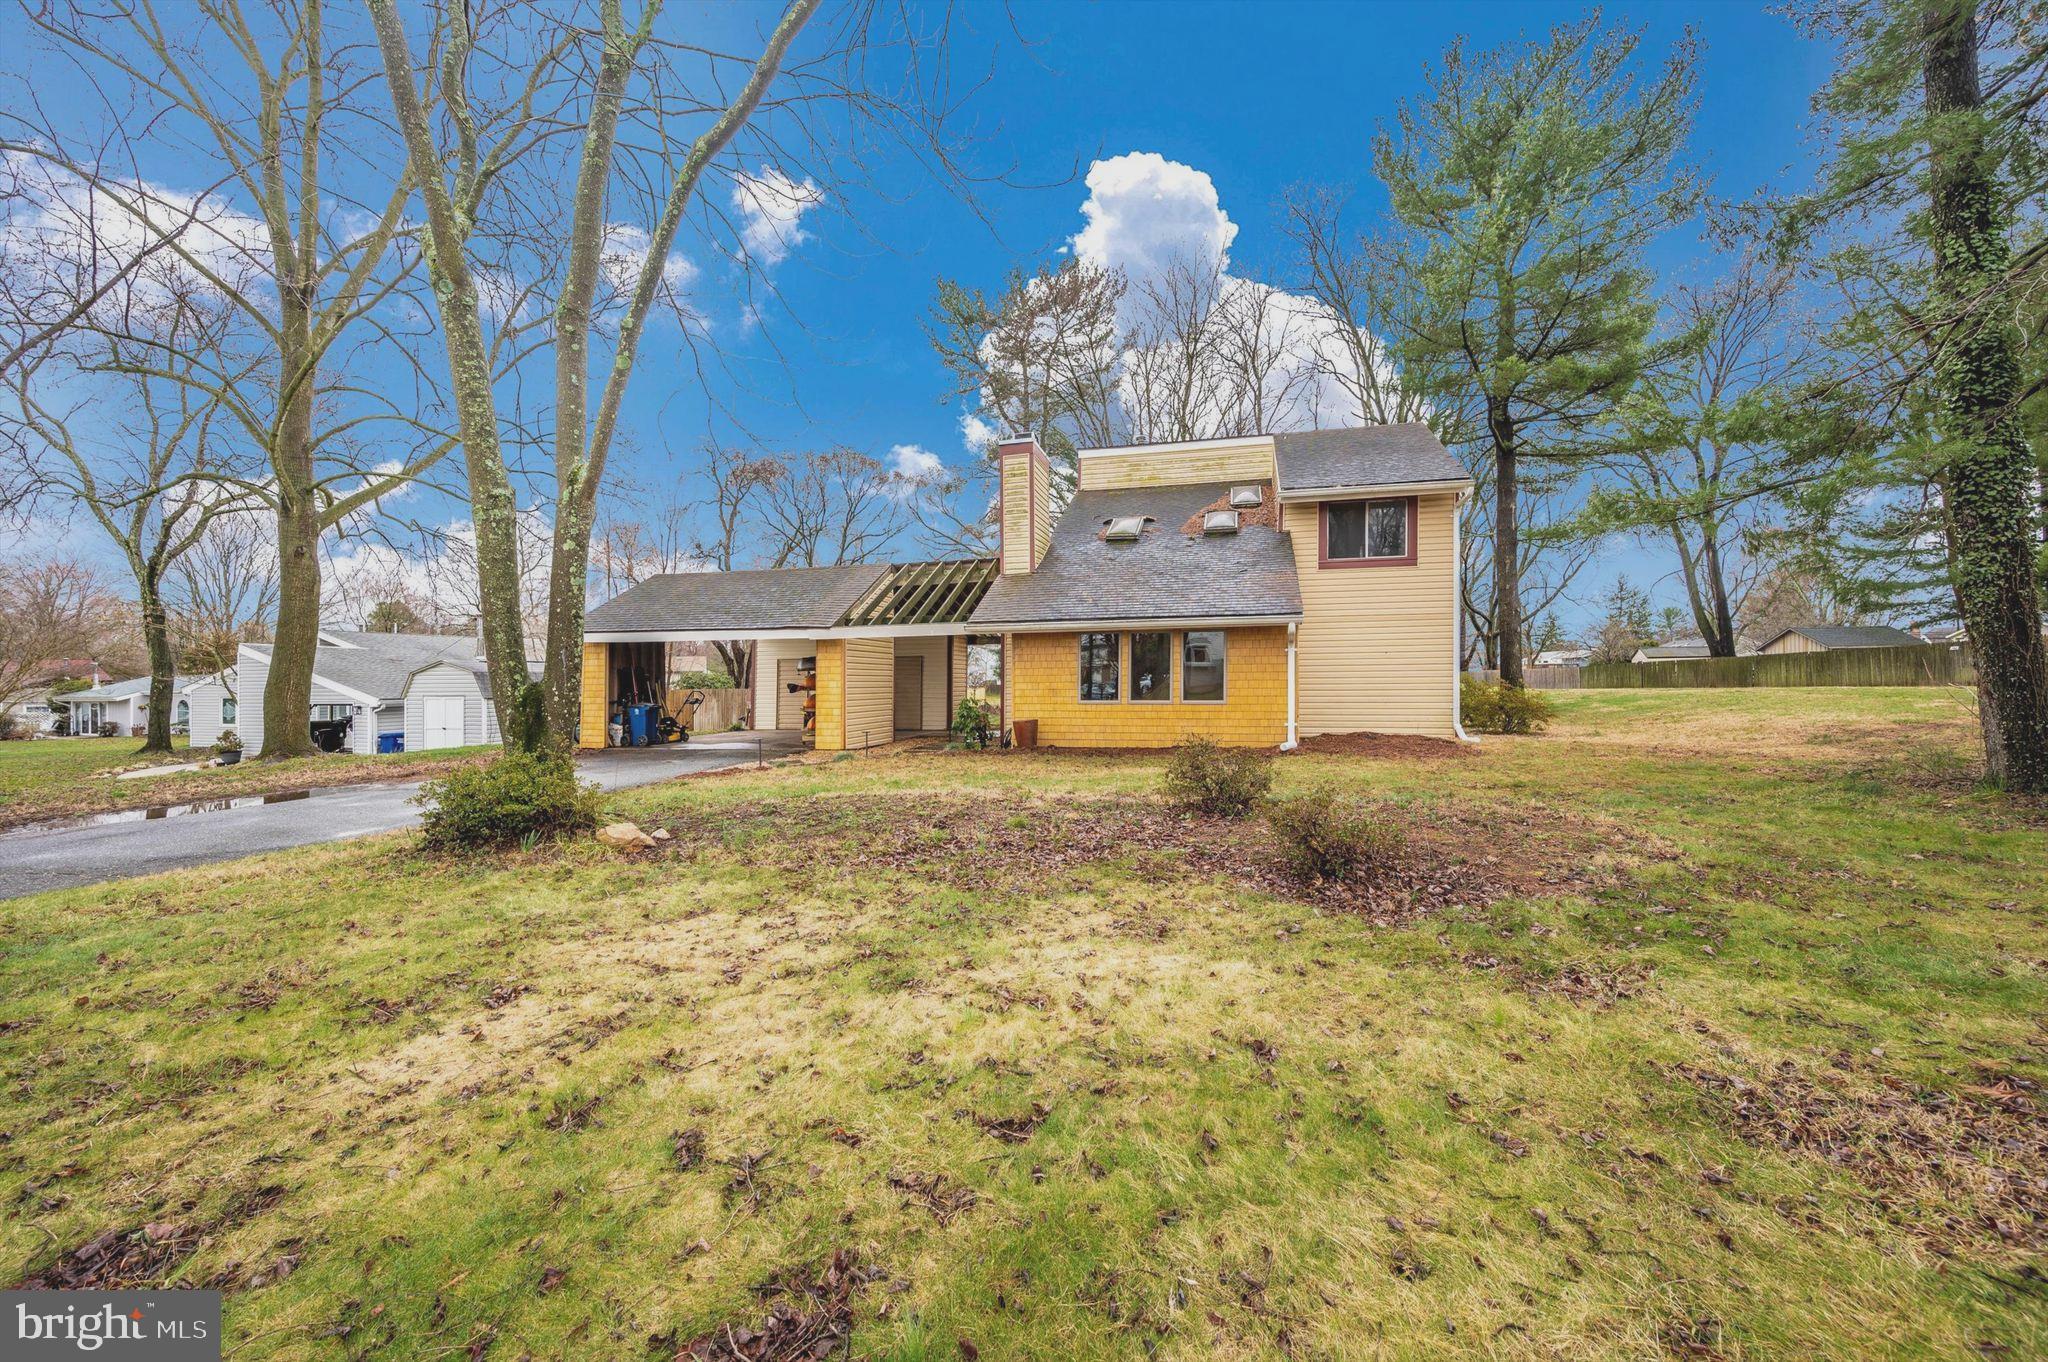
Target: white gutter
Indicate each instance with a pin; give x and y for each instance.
(1458, 618)
(1356, 490)
(1293, 737)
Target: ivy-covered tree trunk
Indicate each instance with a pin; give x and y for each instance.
(1987, 470)
(1507, 577)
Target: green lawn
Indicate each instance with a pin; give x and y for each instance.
(59, 778)
(1709, 1024)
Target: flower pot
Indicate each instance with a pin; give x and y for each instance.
(229, 758)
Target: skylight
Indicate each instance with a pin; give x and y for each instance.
(1219, 522)
(1247, 498)
(1125, 529)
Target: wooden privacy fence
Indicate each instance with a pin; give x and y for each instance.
(721, 709)
(1913, 665)
(1540, 678)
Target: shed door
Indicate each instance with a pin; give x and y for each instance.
(909, 692)
(443, 716)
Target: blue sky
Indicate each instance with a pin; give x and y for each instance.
(1247, 99)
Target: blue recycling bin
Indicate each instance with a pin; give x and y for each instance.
(640, 724)
(387, 743)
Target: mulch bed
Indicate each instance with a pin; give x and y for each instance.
(1404, 746)
(1455, 856)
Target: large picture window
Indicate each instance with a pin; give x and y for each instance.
(1152, 668)
(1201, 666)
(1098, 667)
(1362, 533)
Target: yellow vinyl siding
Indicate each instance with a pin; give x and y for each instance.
(1043, 673)
(1250, 459)
(1375, 649)
(597, 666)
(1026, 484)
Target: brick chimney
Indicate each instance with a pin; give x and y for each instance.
(1026, 524)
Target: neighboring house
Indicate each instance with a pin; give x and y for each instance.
(1252, 590)
(1831, 638)
(1956, 633)
(1677, 650)
(125, 704)
(31, 701)
(357, 677)
(447, 703)
(1563, 657)
(211, 706)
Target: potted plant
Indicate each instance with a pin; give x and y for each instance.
(227, 748)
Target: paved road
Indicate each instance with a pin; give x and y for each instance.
(91, 852)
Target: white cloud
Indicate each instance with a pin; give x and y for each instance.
(625, 251)
(771, 206)
(915, 463)
(977, 432)
(1145, 212)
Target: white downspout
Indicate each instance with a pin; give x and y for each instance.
(1293, 738)
(1458, 617)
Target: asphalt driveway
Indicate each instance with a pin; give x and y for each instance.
(118, 846)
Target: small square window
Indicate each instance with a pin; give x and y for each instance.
(1219, 522)
(1367, 531)
(1247, 498)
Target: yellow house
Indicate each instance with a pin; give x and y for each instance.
(1253, 590)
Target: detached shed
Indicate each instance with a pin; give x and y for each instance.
(448, 704)
(1833, 638)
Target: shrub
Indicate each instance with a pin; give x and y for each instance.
(974, 721)
(511, 801)
(228, 741)
(712, 679)
(1497, 707)
(1322, 837)
(12, 726)
(1224, 781)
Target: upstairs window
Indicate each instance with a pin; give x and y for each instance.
(1364, 533)
(1098, 667)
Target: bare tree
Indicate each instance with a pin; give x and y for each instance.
(305, 270)
(222, 591)
(143, 453)
(50, 611)
(830, 506)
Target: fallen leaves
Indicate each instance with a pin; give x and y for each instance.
(811, 1318)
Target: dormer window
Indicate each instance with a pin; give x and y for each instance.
(1125, 529)
(1219, 522)
(1248, 498)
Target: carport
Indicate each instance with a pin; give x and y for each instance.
(846, 657)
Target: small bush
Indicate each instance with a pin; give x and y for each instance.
(227, 741)
(974, 722)
(1497, 707)
(1322, 837)
(1225, 781)
(510, 802)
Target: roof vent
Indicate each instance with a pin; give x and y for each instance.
(1125, 529)
(1248, 498)
(1219, 522)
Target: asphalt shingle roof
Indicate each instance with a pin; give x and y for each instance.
(378, 664)
(1854, 635)
(1166, 574)
(770, 598)
(1367, 456)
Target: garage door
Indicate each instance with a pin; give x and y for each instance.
(443, 721)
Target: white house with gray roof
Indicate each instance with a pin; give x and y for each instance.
(358, 677)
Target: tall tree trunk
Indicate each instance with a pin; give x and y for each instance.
(156, 637)
(1987, 468)
(1507, 582)
(288, 690)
